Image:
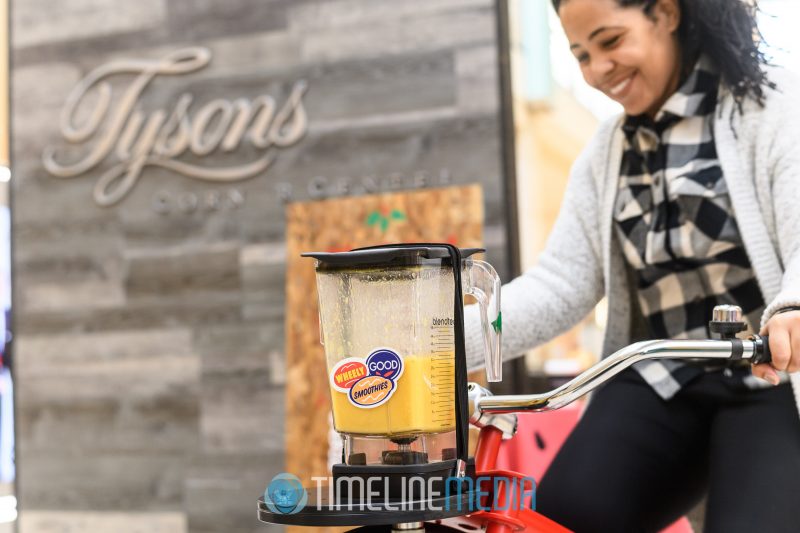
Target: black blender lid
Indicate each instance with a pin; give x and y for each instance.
(411, 254)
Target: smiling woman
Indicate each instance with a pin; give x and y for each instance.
(639, 62)
(670, 211)
(630, 57)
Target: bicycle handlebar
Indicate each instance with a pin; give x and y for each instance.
(762, 353)
(755, 350)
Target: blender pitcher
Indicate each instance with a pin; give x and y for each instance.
(387, 321)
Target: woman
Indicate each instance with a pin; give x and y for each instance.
(689, 200)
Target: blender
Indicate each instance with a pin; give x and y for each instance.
(388, 325)
(391, 321)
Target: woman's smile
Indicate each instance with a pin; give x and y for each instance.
(620, 90)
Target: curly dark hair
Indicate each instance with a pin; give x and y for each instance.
(727, 32)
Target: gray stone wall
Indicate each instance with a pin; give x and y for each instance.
(149, 339)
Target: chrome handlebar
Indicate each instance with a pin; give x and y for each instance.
(484, 406)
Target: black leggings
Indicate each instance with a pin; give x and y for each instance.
(637, 463)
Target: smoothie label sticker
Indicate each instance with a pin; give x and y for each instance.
(368, 382)
(371, 391)
(385, 363)
(347, 372)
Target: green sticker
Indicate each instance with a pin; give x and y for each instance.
(377, 218)
(498, 324)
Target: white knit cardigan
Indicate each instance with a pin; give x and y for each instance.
(759, 152)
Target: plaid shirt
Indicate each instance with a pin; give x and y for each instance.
(678, 231)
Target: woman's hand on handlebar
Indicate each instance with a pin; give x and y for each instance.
(784, 343)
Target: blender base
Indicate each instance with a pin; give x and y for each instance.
(397, 478)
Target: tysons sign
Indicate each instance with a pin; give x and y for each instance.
(110, 125)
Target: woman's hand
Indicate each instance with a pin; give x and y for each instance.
(784, 344)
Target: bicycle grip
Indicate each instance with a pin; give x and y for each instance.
(762, 353)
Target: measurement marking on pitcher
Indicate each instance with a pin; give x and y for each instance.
(442, 374)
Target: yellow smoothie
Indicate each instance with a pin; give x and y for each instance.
(423, 401)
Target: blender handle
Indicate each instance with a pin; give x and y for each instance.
(483, 283)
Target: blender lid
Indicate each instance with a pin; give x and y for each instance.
(388, 256)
